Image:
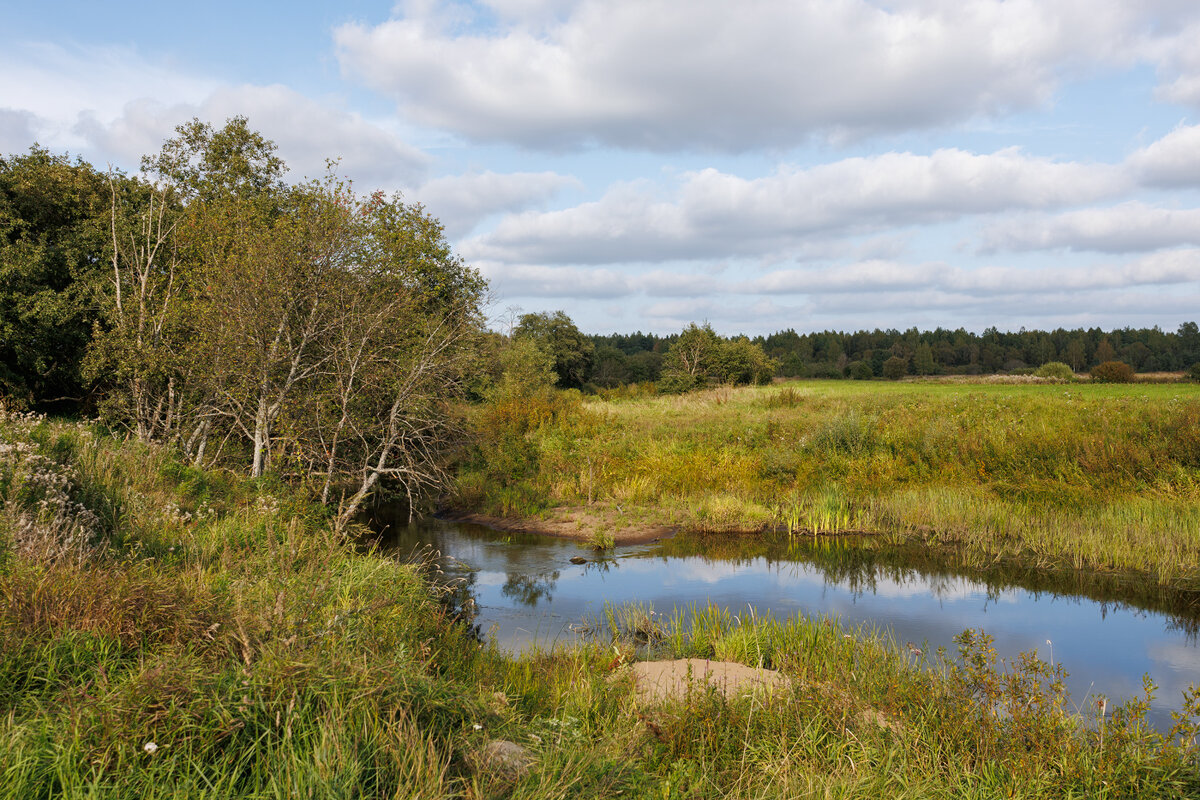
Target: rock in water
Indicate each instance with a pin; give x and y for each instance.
(578, 560)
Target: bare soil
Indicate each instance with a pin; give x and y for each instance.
(581, 523)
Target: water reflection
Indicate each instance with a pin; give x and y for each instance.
(529, 589)
(523, 591)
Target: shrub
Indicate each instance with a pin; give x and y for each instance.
(861, 371)
(1055, 370)
(677, 382)
(1112, 372)
(1194, 372)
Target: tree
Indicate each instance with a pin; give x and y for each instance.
(610, 367)
(557, 335)
(861, 371)
(53, 242)
(691, 356)
(325, 330)
(895, 368)
(740, 361)
(1105, 351)
(1075, 354)
(133, 346)
(923, 360)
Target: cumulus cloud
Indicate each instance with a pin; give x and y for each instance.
(306, 131)
(462, 201)
(882, 285)
(57, 85)
(714, 214)
(660, 75)
(113, 104)
(1172, 161)
(531, 280)
(1129, 227)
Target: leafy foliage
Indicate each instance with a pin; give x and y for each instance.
(1112, 372)
(556, 334)
(1055, 370)
(53, 235)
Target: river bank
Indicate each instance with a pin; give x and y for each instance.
(1057, 476)
(173, 632)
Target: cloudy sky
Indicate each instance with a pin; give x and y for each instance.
(760, 165)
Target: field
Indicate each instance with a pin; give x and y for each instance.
(1063, 476)
(167, 632)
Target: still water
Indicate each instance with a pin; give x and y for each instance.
(527, 593)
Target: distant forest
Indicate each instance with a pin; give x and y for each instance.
(631, 358)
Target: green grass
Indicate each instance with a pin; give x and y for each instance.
(1063, 476)
(171, 633)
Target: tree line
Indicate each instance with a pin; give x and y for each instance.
(619, 359)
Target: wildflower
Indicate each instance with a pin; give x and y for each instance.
(477, 726)
(150, 747)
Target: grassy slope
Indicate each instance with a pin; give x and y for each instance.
(1099, 477)
(145, 602)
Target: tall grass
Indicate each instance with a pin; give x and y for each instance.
(215, 639)
(1072, 476)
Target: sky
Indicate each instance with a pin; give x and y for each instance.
(760, 165)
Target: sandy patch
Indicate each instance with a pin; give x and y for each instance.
(581, 523)
(661, 680)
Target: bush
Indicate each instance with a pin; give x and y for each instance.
(1112, 372)
(861, 371)
(677, 382)
(1194, 372)
(1055, 370)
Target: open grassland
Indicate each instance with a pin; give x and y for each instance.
(1061, 476)
(167, 633)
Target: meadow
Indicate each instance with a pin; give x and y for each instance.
(1059, 476)
(169, 632)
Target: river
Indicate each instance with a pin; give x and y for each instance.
(527, 593)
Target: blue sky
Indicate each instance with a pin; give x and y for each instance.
(809, 164)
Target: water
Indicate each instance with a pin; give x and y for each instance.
(1107, 635)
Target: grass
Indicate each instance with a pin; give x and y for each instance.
(1062, 476)
(170, 633)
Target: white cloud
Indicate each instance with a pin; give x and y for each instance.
(715, 214)
(1172, 267)
(1128, 227)
(509, 280)
(113, 104)
(460, 202)
(1172, 161)
(58, 85)
(306, 131)
(659, 74)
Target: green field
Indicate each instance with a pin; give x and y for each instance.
(1057, 475)
(168, 632)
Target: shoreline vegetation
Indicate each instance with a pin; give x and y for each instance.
(1056, 476)
(169, 631)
